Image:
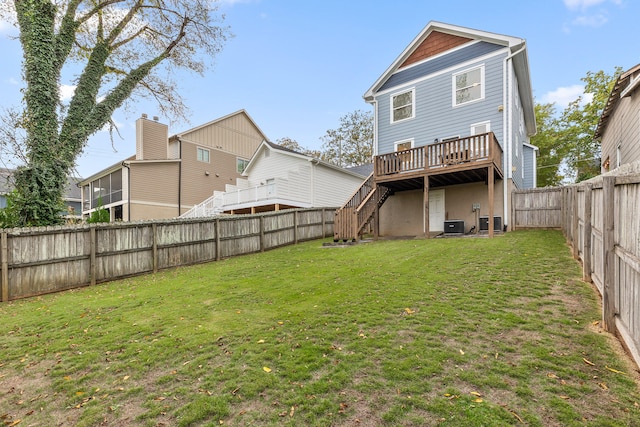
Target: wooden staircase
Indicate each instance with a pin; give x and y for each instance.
(352, 218)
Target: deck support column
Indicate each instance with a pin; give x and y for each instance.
(376, 213)
(490, 184)
(425, 197)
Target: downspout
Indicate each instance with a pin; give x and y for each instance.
(506, 131)
(124, 164)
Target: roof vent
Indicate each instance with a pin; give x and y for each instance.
(144, 115)
(156, 118)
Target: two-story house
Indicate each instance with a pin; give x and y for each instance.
(168, 175)
(619, 127)
(453, 117)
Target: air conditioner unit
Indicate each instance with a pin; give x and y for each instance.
(454, 226)
(484, 223)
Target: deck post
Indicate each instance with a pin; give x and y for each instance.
(490, 182)
(376, 213)
(425, 197)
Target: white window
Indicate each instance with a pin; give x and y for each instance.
(468, 86)
(241, 164)
(480, 128)
(403, 145)
(403, 106)
(203, 155)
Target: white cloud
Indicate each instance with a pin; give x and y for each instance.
(564, 95)
(585, 4)
(66, 92)
(594, 21)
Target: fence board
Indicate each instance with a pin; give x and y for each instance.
(44, 260)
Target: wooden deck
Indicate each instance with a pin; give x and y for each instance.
(446, 163)
(476, 158)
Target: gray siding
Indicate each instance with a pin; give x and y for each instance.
(467, 53)
(624, 129)
(528, 159)
(521, 163)
(435, 117)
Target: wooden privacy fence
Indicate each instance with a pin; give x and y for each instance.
(600, 219)
(36, 261)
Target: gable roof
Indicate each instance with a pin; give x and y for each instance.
(623, 86)
(268, 145)
(438, 37)
(218, 120)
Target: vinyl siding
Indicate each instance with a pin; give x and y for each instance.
(151, 140)
(518, 133)
(235, 134)
(440, 63)
(154, 182)
(434, 116)
(529, 162)
(623, 128)
(196, 184)
(333, 188)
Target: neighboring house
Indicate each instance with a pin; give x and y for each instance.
(453, 117)
(170, 174)
(278, 178)
(619, 127)
(71, 198)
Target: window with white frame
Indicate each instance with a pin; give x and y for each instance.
(241, 164)
(202, 155)
(403, 145)
(618, 155)
(403, 106)
(480, 128)
(468, 86)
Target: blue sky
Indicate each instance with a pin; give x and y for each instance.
(298, 66)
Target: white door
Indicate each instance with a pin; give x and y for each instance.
(436, 210)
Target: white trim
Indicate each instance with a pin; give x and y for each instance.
(500, 39)
(454, 89)
(487, 123)
(467, 64)
(392, 108)
(403, 141)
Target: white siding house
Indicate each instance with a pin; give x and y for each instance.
(278, 178)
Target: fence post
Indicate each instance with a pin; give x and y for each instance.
(92, 255)
(295, 227)
(324, 233)
(154, 250)
(586, 235)
(609, 256)
(5, 266)
(261, 233)
(217, 229)
(575, 222)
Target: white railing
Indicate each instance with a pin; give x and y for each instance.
(279, 188)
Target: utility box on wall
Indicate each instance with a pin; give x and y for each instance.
(454, 226)
(484, 223)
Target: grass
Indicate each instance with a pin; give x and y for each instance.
(452, 332)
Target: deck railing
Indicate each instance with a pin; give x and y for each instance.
(441, 154)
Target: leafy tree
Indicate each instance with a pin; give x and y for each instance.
(351, 144)
(100, 214)
(292, 144)
(119, 49)
(578, 123)
(552, 152)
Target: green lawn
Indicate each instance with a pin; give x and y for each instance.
(452, 332)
